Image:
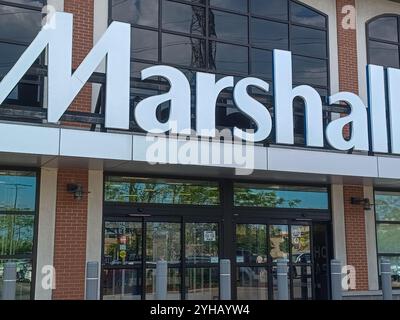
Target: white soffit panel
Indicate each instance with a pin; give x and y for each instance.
(389, 168)
(317, 162)
(25, 139)
(97, 145)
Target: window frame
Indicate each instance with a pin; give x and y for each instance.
(369, 39)
(379, 255)
(39, 83)
(325, 90)
(33, 256)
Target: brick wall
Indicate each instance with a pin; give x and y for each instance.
(71, 214)
(70, 236)
(353, 214)
(82, 44)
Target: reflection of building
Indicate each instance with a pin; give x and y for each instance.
(307, 205)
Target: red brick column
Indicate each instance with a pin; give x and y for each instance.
(71, 214)
(353, 214)
(70, 236)
(82, 43)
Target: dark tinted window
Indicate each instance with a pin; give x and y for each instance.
(183, 18)
(142, 12)
(237, 5)
(309, 42)
(183, 51)
(384, 54)
(20, 22)
(229, 58)
(302, 14)
(227, 26)
(385, 28)
(261, 63)
(269, 34)
(277, 9)
(226, 37)
(309, 71)
(383, 41)
(144, 44)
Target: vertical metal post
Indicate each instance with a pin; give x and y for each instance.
(336, 280)
(386, 278)
(9, 281)
(225, 279)
(282, 279)
(92, 281)
(161, 280)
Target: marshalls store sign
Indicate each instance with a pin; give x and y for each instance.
(370, 130)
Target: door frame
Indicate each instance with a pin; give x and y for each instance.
(182, 220)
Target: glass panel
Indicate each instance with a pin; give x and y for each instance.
(228, 26)
(261, 63)
(252, 283)
(144, 44)
(387, 206)
(304, 15)
(163, 242)
(10, 54)
(202, 284)
(310, 71)
(228, 58)
(301, 247)
(237, 5)
(137, 67)
(388, 238)
(32, 3)
(269, 34)
(309, 42)
(183, 18)
(279, 241)
(173, 286)
(395, 266)
(123, 243)
(383, 54)
(17, 191)
(184, 51)
(25, 94)
(246, 195)
(302, 282)
(384, 28)
(251, 243)
(18, 24)
(16, 234)
(122, 284)
(277, 9)
(143, 12)
(142, 190)
(201, 243)
(24, 278)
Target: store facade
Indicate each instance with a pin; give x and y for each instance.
(96, 184)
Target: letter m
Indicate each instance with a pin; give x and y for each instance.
(63, 86)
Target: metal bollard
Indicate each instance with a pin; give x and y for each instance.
(336, 280)
(161, 280)
(92, 281)
(282, 278)
(386, 278)
(225, 279)
(9, 281)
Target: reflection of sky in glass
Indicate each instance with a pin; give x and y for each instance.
(17, 193)
(245, 196)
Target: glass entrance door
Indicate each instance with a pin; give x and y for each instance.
(133, 247)
(259, 247)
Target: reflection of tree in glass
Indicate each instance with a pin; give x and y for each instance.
(16, 234)
(263, 198)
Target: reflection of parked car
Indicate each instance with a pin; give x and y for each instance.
(303, 258)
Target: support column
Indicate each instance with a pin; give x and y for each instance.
(354, 215)
(70, 236)
(46, 229)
